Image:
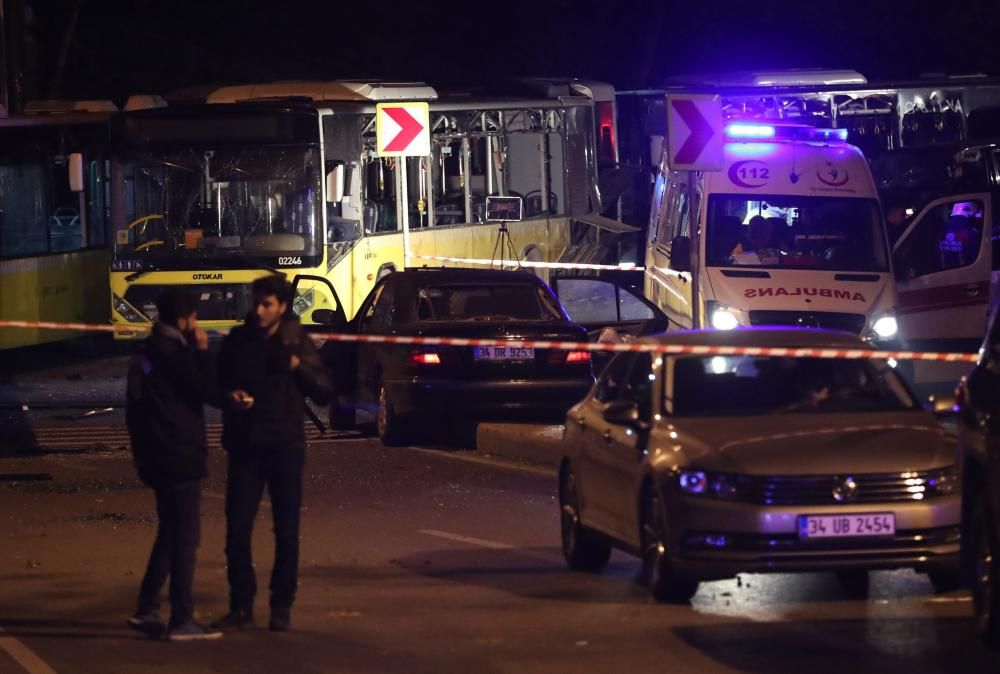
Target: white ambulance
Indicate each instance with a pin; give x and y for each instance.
(790, 232)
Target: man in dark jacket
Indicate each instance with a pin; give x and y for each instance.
(169, 381)
(267, 367)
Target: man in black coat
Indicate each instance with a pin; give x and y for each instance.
(267, 368)
(169, 381)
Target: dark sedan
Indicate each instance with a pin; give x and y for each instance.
(404, 387)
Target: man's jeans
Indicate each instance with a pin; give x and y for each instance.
(178, 507)
(281, 470)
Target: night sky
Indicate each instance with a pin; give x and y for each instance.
(123, 46)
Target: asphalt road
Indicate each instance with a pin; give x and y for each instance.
(413, 560)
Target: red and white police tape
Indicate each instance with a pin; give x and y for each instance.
(627, 266)
(642, 346)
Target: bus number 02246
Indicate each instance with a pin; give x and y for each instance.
(290, 261)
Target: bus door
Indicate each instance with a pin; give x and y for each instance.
(339, 358)
(942, 264)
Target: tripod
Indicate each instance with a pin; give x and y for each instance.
(504, 246)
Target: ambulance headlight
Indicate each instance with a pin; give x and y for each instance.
(722, 318)
(885, 327)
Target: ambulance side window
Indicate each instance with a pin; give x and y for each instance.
(656, 209)
(673, 220)
(949, 236)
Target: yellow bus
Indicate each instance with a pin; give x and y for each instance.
(286, 177)
(53, 217)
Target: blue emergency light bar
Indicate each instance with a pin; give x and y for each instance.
(750, 131)
(747, 131)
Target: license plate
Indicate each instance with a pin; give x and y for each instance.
(503, 353)
(847, 526)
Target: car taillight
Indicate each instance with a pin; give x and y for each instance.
(557, 357)
(424, 358)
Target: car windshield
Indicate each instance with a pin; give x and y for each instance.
(515, 301)
(205, 203)
(748, 385)
(822, 233)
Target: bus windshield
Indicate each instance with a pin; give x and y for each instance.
(183, 203)
(783, 231)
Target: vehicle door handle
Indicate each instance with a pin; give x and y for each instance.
(973, 290)
(607, 436)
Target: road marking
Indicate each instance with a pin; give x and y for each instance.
(23, 655)
(487, 461)
(493, 545)
(479, 542)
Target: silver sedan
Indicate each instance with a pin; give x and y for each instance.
(709, 466)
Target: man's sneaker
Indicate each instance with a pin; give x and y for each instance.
(192, 631)
(234, 621)
(149, 624)
(281, 619)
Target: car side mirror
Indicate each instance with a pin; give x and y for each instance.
(76, 178)
(680, 254)
(622, 413)
(655, 150)
(981, 387)
(329, 318)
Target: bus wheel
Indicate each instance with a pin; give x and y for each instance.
(387, 422)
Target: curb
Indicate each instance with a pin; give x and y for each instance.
(539, 444)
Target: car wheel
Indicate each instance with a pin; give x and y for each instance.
(855, 582)
(663, 582)
(342, 417)
(945, 580)
(985, 598)
(387, 422)
(582, 550)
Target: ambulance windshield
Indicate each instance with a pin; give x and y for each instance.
(797, 232)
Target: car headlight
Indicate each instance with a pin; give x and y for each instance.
(722, 318)
(701, 483)
(942, 482)
(692, 481)
(123, 309)
(886, 326)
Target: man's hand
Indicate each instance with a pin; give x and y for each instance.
(200, 339)
(295, 362)
(240, 399)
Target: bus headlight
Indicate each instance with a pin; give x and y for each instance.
(886, 326)
(722, 318)
(123, 309)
